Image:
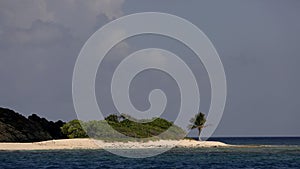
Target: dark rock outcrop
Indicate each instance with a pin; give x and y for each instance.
(16, 128)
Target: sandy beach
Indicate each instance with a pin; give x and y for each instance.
(98, 144)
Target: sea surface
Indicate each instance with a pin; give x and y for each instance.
(284, 153)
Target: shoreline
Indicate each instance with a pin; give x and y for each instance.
(87, 143)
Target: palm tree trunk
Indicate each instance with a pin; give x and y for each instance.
(199, 132)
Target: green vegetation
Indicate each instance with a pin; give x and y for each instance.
(198, 123)
(73, 129)
(124, 128)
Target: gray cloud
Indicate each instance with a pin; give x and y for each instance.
(39, 42)
(80, 17)
(258, 42)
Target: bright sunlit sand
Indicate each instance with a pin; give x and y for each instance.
(86, 143)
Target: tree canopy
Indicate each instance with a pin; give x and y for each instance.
(73, 129)
(198, 122)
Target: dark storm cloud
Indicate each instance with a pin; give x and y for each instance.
(39, 42)
(258, 42)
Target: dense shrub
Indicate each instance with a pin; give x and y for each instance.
(121, 128)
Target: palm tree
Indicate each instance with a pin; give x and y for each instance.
(198, 123)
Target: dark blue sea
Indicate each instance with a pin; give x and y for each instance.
(285, 153)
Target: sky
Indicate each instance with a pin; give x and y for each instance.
(257, 41)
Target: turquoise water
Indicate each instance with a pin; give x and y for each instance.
(281, 157)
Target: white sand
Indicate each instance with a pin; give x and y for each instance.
(98, 144)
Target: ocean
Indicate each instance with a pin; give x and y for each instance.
(285, 153)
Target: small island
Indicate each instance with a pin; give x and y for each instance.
(36, 133)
